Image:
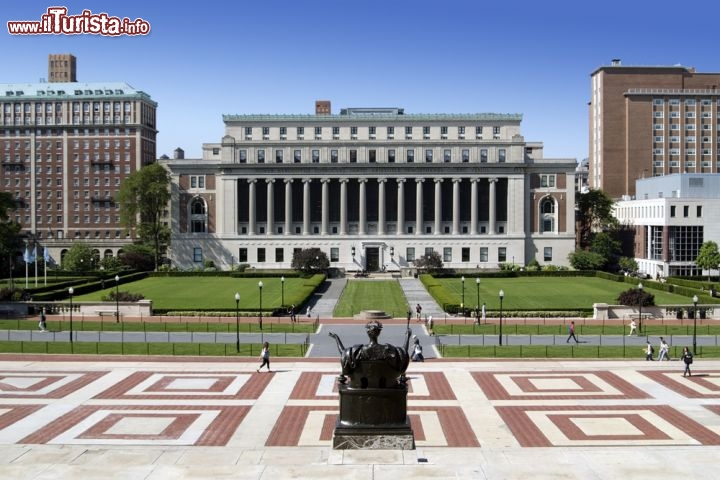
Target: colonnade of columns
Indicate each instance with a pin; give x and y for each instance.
(362, 224)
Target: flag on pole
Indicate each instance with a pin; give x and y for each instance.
(34, 259)
(46, 260)
(27, 255)
(46, 256)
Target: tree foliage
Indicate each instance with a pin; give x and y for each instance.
(607, 245)
(430, 262)
(143, 199)
(79, 258)
(594, 214)
(10, 241)
(708, 257)
(628, 264)
(635, 297)
(138, 257)
(310, 260)
(584, 260)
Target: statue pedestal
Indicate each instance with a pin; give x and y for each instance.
(373, 419)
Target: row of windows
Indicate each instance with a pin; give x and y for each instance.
(16, 132)
(446, 155)
(688, 126)
(261, 254)
(690, 102)
(57, 107)
(688, 139)
(371, 132)
(675, 114)
(676, 151)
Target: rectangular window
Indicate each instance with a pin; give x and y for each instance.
(316, 156)
(447, 254)
(483, 254)
(336, 132)
(278, 156)
(479, 132)
(410, 155)
(686, 211)
(261, 156)
(496, 132)
(318, 132)
(333, 156)
(408, 132)
(390, 132)
(391, 155)
(428, 155)
(197, 255)
(265, 131)
(279, 255)
(483, 155)
(261, 255)
(426, 131)
(334, 254)
(461, 132)
(371, 131)
(353, 156)
(501, 155)
(242, 156)
(297, 156)
(410, 254)
(465, 252)
(547, 181)
(502, 254)
(242, 255)
(547, 254)
(443, 132)
(300, 131)
(372, 157)
(353, 131)
(465, 155)
(698, 211)
(447, 155)
(283, 132)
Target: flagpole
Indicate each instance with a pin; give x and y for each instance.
(26, 274)
(45, 256)
(35, 258)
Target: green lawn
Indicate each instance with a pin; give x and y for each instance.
(546, 293)
(362, 295)
(214, 293)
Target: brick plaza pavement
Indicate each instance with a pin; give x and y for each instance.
(91, 417)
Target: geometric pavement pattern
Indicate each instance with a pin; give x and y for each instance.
(298, 406)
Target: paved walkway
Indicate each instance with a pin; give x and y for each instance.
(416, 294)
(89, 417)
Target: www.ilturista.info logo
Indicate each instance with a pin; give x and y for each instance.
(57, 22)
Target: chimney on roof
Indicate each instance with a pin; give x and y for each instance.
(322, 107)
(62, 68)
(616, 62)
(178, 154)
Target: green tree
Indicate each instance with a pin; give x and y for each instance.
(138, 256)
(607, 245)
(10, 241)
(594, 214)
(80, 258)
(310, 260)
(584, 260)
(430, 262)
(628, 264)
(143, 198)
(708, 257)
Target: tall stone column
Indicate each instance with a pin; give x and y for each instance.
(381, 205)
(251, 206)
(270, 206)
(288, 206)
(437, 228)
(306, 206)
(419, 206)
(343, 206)
(400, 206)
(325, 206)
(474, 206)
(456, 206)
(491, 205)
(362, 227)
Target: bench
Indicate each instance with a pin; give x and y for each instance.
(102, 313)
(636, 316)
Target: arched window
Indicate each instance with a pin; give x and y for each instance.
(108, 253)
(198, 215)
(547, 215)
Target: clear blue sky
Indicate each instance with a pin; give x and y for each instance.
(205, 59)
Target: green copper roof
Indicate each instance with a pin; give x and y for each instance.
(69, 90)
(355, 117)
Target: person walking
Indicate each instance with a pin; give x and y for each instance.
(649, 351)
(265, 356)
(430, 325)
(687, 358)
(633, 327)
(418, 311)
(417, 355)
(571, 333)
(482, 313)
(43, 324)
(293, 318)
(664, 350)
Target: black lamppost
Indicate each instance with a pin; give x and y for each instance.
(640, 302)
(695, 312)
(117, 298)
(70, 292)
(282, 291)
(501, 294)
(260, 285)
(237, 322)
(477, 307)
(462, 303)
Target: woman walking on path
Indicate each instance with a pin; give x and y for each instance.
(571, 333)
(265, 356)
(687, 357)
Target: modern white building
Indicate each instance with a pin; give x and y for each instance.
(374, 188)
(672, 216)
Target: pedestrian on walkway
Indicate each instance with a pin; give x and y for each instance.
(42, 325)
(687, 357)
(309, 311)
(664, 350)
(649, 351)
(482, 313)
(417, 355)
(293, 318)
(633, 327)
(265, 356)
(571, 333)
(418, 311)
(430, 325)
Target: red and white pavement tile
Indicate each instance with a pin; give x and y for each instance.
(450, 404)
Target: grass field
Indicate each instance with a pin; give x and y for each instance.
(362, 295)
(546, 293)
